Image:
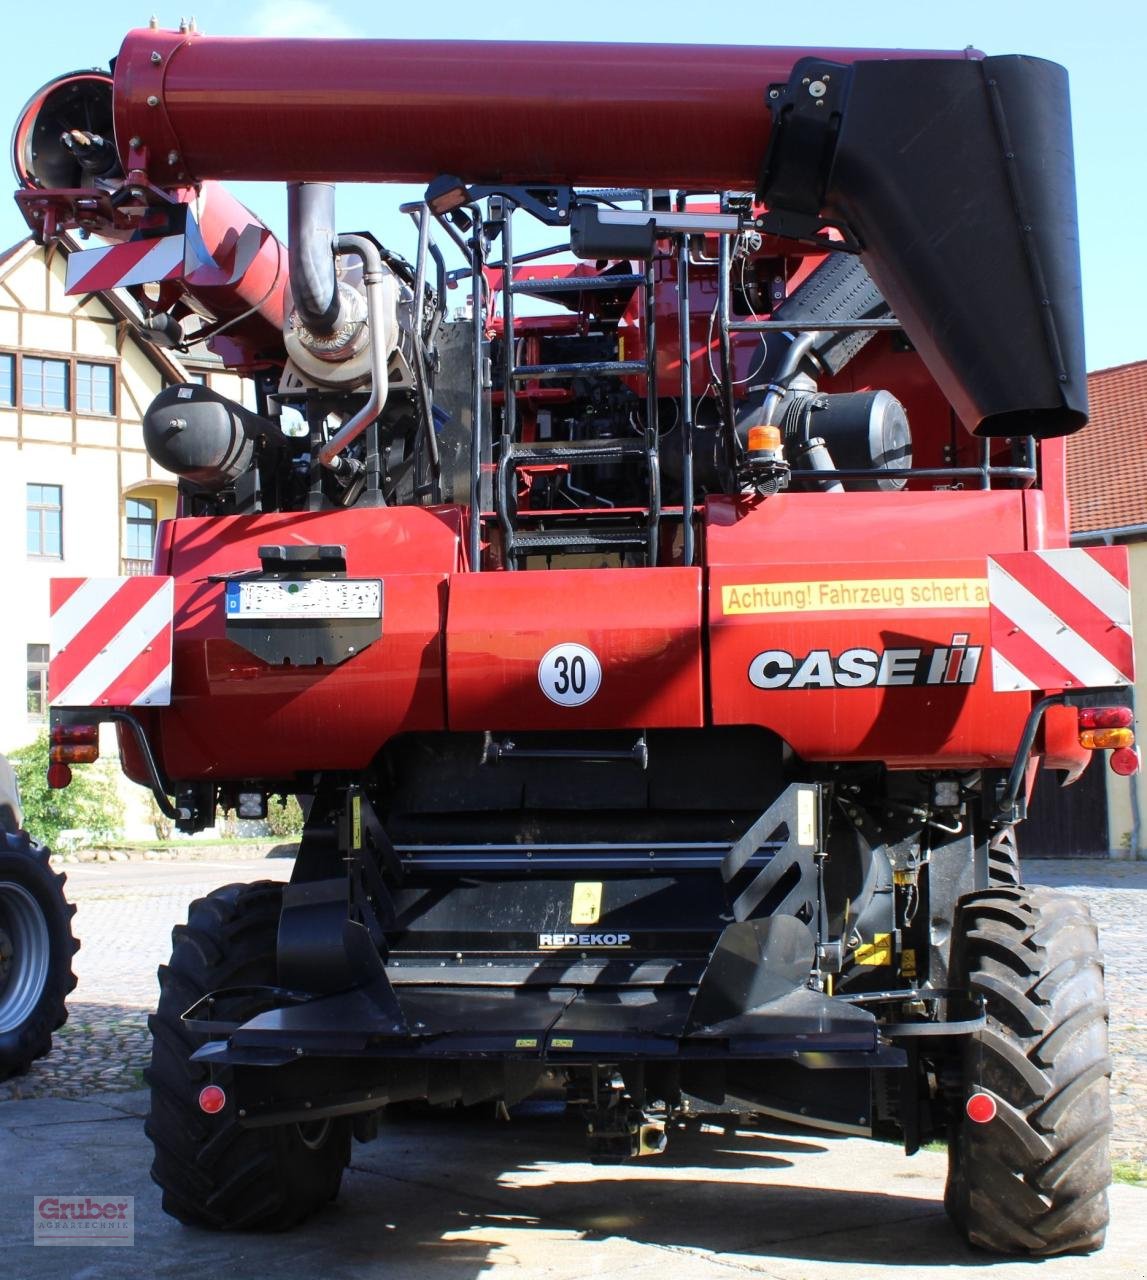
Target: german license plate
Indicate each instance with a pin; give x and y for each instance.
(305, 598)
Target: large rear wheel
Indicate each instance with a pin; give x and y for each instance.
(36, 949)
(213, 1172)
(1034, 1179)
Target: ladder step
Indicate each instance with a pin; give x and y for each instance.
(577, 539)
(584, 452)
(606, 368)
(576, 284)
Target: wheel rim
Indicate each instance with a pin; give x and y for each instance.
(313, 1133)
(25, 954)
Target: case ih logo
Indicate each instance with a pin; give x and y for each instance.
(955, 663)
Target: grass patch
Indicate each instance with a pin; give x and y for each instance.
(935, 1145)
(1131, 1172)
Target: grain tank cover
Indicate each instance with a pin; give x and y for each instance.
(956, 180)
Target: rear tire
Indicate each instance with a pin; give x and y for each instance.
(36, 949)
(213, 1172)
(1033, 1181)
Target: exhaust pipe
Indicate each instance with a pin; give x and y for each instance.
(311, 253)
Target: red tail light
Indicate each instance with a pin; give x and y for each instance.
(981, 1108)
(212, 1099)
(1105, 718)
(59, 776)
(1125, 761)
(74, 744)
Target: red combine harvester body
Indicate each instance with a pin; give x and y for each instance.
(663, 628)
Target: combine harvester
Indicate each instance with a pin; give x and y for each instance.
(663, 628)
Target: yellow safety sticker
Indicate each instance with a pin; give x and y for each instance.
(855, 593)
(356, 822)
(526, 1043)
(586, 907)
(806, 818)
(876, 952)
(908, 962)
(557, 1043)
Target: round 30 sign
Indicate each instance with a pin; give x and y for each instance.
(569, 674)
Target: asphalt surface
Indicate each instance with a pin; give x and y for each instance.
(444, 1197)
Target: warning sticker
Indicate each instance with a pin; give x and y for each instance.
(855, 593)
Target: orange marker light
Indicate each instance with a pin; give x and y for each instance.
(1103, 739)
(74, 754)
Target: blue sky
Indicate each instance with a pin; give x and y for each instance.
(1103, 44)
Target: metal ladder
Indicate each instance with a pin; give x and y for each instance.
(598, 533)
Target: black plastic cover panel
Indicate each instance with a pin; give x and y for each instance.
(956, 179)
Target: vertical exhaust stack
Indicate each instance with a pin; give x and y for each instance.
(311, 241)
(326, 325)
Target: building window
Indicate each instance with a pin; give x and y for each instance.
(45, 383)
(95, 388)
(7, 379)
(139, 534)
(37, 681)
(46, 520)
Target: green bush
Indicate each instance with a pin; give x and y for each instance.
(92, 802)
(284, 818)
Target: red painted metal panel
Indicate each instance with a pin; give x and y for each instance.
(407, 110)
(874, 609)
(235, 716)
(642, 625)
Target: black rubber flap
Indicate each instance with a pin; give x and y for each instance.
(957, 179)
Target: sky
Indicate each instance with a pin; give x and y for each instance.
(1103, 44)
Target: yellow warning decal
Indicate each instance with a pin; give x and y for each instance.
(855, 593)
(586, 907)
(356, 822)
(557, 1043)
(876, 952)
(526, 1043)
(908, 962)
(806, 818)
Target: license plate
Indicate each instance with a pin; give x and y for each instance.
(305, 598)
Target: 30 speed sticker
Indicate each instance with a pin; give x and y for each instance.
(569, 674)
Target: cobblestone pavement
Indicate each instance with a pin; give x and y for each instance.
(124, 916)
(125, 912)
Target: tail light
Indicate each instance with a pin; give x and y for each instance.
(1105, 718)
(1110, 729)
(74, 744)
(59, 776)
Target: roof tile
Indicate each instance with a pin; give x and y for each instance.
(1107, 460)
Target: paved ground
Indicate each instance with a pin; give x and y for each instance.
(443, 1199)
(446, 1199)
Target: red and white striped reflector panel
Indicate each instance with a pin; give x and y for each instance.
(118, 265)
(111, 642)
(1061, 619)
